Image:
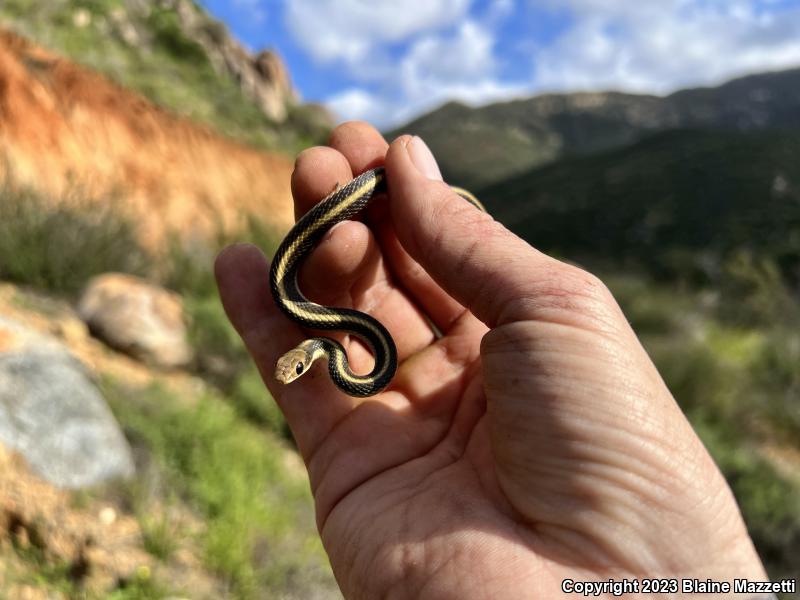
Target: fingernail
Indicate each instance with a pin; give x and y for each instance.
(422, 157)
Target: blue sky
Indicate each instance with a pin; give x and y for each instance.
(387, 61)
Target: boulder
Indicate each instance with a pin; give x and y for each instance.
(138, 318)
(52, 413)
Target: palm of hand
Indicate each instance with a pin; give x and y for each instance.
(496, 462)
(417, 495)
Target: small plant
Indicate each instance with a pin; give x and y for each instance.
(159, 535)
(257, 513)
(60, 245)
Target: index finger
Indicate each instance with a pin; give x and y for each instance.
(365, 148)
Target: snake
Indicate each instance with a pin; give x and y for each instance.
(342, 203)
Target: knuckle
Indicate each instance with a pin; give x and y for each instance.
(570, 295)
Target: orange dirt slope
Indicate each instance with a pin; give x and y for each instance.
(66, 130)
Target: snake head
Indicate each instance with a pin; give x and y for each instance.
(292, 365)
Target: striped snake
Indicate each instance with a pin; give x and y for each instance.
(343, 203)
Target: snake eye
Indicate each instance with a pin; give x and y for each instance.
(299, 369)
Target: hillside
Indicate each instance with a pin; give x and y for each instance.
(484, 145)
(74, 136)
(687, 206)
(180, 58)
(682, 199)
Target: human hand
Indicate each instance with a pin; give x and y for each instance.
(533, 442)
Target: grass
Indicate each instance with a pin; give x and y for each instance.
(59, 246)
(220, 355)
(159, 535)
(259, 534)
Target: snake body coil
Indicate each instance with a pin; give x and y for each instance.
(341, 204)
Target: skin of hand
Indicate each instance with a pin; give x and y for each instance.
(531, 441)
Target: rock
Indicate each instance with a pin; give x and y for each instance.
(263, 78)
(273, 90)
(138, 318)
(52, 413)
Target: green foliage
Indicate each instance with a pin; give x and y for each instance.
(190, 270)
(166, 29)
(43, 572)
(159, 535)
(680, 205)
(259, 528)
(754, 292)
(253, 401)
(770, 504)
(221, 356)
(223, 359)
(60, 245)
(140, 588)
(731, 360)
(58, 577)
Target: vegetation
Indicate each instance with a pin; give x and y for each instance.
(679, 204)
(220, 356)
(36, 571)
(148, 51)
(480, 146)
(258, 530)
(59, 245)
(696, 230)
(735, 374)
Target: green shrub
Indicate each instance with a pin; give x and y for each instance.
(253, 401)
(60, 245)
(770, 504)
(221, 355)
(169, 36)
(754, 292)
(775, 372)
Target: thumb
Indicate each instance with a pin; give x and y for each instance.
(475, 259)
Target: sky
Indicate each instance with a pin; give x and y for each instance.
(387, 61)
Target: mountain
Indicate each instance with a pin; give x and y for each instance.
(676, 200)
(483, 145)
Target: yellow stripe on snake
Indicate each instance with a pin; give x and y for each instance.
(338, 206)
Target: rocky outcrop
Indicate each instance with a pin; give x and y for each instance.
(262, 77)
(138, 318)
(52, 413)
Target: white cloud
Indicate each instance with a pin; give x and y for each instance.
(355, 103)
(436, 67)
(351, 30)
(255, 10)
(659, 46)
(402, 59)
